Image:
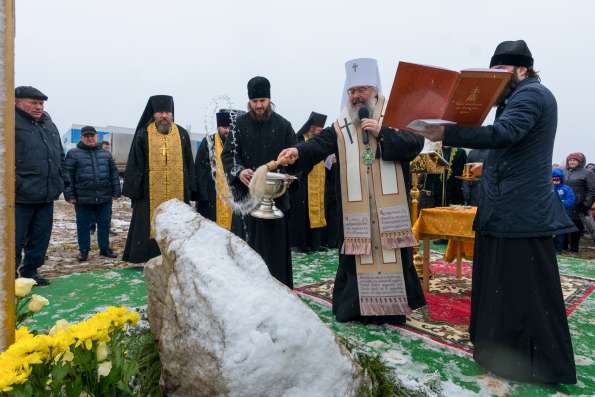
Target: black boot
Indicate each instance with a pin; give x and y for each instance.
(83, 256)
(108, 253)
(41, 281)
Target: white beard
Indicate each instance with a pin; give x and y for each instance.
(354, 111)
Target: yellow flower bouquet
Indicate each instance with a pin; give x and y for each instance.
(88, 356)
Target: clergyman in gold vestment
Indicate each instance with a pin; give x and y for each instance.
(159, 168)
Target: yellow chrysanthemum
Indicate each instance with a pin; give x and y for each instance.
(28, 350)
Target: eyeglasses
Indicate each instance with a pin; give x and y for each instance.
(359, 90)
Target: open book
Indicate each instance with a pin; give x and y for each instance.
(438, 96)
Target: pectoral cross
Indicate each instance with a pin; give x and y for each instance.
(346, 126)
(164, 149)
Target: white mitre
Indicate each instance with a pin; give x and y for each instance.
(360, 72)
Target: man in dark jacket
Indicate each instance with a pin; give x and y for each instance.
(39, 156)
(91, 182)
(582, 182)
(518, 319)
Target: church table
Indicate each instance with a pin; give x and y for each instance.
(454, 223)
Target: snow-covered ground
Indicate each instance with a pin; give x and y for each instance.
(63, 249)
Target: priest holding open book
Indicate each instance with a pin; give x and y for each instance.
(518, 320)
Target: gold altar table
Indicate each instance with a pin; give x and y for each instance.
(454, 223)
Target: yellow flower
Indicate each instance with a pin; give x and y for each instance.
(22, 286)
(60, 326)
(104, 369)
(23, 333)
(102, 351)
(36, 303)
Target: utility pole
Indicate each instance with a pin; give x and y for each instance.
(7, 174)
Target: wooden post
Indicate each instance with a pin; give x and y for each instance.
(7, 270)
(426, 263)
(459, 257)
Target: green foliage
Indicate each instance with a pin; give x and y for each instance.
(142, 349)
(382, 382)
(70, 378)
(22, 313)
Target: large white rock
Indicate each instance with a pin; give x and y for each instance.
(226, 327)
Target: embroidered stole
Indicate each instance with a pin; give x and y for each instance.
(166, 167)
(376, 220)
(316, 185)
(223, 212)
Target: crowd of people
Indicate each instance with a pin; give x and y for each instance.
(351, 195)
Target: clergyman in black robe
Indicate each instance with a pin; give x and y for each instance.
(257, 138)
(305, 233)
(208, 166)
(140, 247)
(518, 319)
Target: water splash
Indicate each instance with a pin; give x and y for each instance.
(240, 204)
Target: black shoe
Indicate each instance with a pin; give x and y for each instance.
(108, 253)
(41, 281)
(83, 256)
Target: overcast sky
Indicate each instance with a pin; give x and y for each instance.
(99, 60)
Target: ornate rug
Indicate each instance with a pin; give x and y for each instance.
(445, 318)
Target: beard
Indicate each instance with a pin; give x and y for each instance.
(163, 126)
(510, 87)
(370, 104)
(262, 116)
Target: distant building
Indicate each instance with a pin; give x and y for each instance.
(72, 136)
(120, 139)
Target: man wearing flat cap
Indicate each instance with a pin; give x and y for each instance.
(257, 138)
(518, 319)
(159, 168)
(39, 157)
(213, 196)
(308, 218)
(92, 181)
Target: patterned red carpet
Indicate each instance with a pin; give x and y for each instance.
(446, 317)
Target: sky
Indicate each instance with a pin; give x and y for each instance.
(99, 60)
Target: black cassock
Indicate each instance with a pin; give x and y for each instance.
(394, 146)
(301, 235)
(251, 144)
(206, 194)
(140, 247)
(330, 237)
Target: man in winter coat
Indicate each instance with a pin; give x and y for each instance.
(518, 320)
(38, 160)
(91, 182)
(582, 182)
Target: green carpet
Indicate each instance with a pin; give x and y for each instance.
(421, 365)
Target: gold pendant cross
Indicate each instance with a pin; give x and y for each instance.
(164, 149)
